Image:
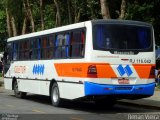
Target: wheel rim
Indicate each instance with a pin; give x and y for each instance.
(55, 94)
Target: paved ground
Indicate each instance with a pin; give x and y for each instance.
(150, 102)
(153, 101)
(34, 105)
(39, 107)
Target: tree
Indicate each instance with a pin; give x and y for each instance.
(8, 21)
(123, 9)
(13, 24)
(105, 9)
(69, 11)
(28, 12)
(58, 14)
(42, 14)
(3, 25)
(29, 16)
(77, 12)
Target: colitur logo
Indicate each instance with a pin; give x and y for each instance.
(38, 69)
(122, 70)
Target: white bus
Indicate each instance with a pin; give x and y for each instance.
(99, 60)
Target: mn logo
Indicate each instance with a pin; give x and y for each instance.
(124, 70)
(38, 69)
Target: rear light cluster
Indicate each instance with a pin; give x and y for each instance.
(92, 69)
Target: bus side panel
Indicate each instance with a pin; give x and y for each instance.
(8, 83)
(31, 86)
(44, 87)
(34, 86)
(71, 90)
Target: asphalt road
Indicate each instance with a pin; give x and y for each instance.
(39, 108)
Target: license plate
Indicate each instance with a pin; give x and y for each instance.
(123, 81)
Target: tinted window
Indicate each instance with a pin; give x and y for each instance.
(121, 37)
(61, 45)
(15, 51)
(77, 43)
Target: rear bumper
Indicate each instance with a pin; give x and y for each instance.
(101, 89)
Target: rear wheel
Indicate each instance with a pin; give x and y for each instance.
(17, 93)
(55, 96)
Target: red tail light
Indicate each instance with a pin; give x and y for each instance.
(92, 69)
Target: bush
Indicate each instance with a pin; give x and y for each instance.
(158, 86)
(0, 74)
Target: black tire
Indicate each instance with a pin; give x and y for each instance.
(55, 96)
(107, 102)
(17, 93)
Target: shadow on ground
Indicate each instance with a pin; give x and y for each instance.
(90, 107)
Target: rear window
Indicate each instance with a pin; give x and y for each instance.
(121, 37)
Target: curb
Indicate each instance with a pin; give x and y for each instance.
(139, 105)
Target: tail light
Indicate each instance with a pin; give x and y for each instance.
(92, 69)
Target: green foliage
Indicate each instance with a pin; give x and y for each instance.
(2, 21)
(158, 87)
(49, 17)
(3, 29)
(93, 9)
(141, 10)
(15, 9)
(147, 11)
(2, 17)
(0, 74)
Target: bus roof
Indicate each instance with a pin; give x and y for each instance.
(114, 21)
(74, 26)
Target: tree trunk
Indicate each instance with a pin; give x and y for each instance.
(24, 26)
(105, 9)
(77, 16)
(13, 26)
(69, 11)
(77, 12)
(123, 8)
(42, 14)
(9, 28)
(58, 14)
(29, 14)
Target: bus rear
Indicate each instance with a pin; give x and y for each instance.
(123, 60)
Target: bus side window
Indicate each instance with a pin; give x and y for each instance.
(83, 43)
(9, 52)
(58, 46)
(77, 43)
(44, 47)
(39, 48)
(33, 48)
(15, 51)
(51, 46)
(26, 54)
(67, 44)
